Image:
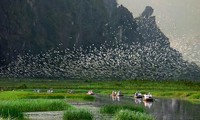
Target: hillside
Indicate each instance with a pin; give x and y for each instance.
(35, 25)
(85, 39)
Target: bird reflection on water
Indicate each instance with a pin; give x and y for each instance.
(148, 104)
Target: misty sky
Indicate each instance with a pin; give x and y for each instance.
(178, 19)
(179, 16)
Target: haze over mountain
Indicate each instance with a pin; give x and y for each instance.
(93, 39)
(178, 19)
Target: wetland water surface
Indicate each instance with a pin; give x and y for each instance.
(173, 109)
(162, 109)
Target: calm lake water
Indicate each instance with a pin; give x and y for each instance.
(162, 109)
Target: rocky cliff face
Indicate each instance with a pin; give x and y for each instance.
(135, 47)
(157, 55)
(148, 28)
(38, 25)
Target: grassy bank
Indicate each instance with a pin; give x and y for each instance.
(13, 109)
(29, 105)
(15, 95)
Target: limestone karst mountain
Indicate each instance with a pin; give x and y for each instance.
(103, 40)
(39, 25)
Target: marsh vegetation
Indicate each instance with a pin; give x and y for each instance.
(132, 115)
(114, 108)
(22, 96)
(77, 114)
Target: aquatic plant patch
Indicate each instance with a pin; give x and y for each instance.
(77, 114)
(35, 105)
(132, 115)
(10, 114)
(80, 97)
(112, 109)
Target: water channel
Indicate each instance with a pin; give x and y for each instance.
(162, 109)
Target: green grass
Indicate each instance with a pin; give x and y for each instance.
(132, 115)
(13, 109)
(34, 105)
(14, 83)
(15, 95)
(11, 114)
(77, 114)
(173, 89)
(80, 97)
(23, 99)
(112, 109)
